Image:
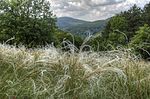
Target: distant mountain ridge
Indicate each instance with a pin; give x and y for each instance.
(63, 22)
(80, 27)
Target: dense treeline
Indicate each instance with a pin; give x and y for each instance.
(32, 23)
(128, 29)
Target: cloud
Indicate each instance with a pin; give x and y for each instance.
(92, 9)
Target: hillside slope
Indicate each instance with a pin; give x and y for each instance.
(80, 27)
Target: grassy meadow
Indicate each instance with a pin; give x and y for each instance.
(50, 73)
(72, 58)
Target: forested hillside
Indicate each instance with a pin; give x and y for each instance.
(80, 27)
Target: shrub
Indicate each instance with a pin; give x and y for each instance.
(62, 38)
(141, 42)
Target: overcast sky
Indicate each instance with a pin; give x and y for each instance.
(92, 9)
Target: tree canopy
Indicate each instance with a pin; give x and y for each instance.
(30, 22)
(127, 29)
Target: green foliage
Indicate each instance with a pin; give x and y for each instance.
(61, 36)
(146, 14)
(134, 19)
(116, 23)
(30, 22)
(141, 41)
(124, 28)
(111, 37)
(98, 43)
(117, 38)
(127, 22)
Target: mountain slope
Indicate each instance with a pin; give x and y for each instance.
(64, 22)
(80, 27)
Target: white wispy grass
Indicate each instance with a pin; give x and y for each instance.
(50, 73)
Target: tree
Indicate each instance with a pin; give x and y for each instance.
(141, 41)
(134, 20)
(30, 22)
(117, 22)
(127, 22)
(116, 31)
(146, 14)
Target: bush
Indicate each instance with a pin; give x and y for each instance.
(63, 38)
(98, 43)
(141, 41)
